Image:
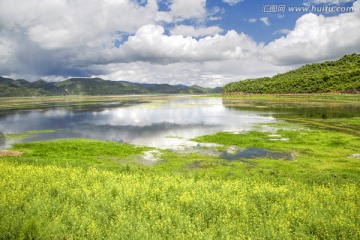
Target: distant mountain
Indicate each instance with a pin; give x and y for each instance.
(342, 75)
(92, 86)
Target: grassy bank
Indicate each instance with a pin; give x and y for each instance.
(336, 112)
(313, 97)
(121, 100)
(93, 189)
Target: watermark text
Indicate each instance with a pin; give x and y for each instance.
(274, 8)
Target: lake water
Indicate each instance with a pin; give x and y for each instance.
(161, 124)
(165, 124)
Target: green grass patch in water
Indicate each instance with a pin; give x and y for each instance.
(27, 134)
(80, 152)
(319, 156)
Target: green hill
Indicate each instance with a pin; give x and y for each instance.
(20, 87)
(342, 75)
(91, 86)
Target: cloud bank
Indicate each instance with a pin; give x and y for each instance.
(126, 40)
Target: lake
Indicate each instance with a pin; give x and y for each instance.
(167, 123)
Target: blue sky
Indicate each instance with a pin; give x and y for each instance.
(237, 16)
(203, 42)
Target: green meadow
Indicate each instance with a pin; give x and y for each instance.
(91, 189)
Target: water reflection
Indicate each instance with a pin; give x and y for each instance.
(252, 152)
(167, 124)
(303, 109)
(2, 140)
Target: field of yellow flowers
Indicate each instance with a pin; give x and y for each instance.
(53, 202)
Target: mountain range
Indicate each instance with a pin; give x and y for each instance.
(342, 76)
(92, 86)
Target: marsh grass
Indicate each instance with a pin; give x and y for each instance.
(320, 156)
(80, 153)
(75, 101)
(27, 134)
(351, 126)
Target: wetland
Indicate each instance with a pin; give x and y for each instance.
(153, 167)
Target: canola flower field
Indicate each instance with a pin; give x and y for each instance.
(88, 189)
(53, 202)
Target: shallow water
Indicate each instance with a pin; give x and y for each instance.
(255, 153)
(163, 124)
(166, 123)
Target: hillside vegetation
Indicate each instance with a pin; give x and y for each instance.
(91, 86)
(342, 75)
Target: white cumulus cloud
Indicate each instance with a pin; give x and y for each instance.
(209, 74)
(283, 31)
(150, 43)
(188, 9)
(331, 2)
(232, 2)
(124, 40)
(315, 38)
(251, 20)
(265, 20)
(186, 30)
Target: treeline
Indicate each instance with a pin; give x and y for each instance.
(342, 75)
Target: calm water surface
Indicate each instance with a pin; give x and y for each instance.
(167, 124)
(162, 124)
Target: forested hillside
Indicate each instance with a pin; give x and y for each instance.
(91, 86)
(342, 75)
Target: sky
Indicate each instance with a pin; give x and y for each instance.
(203, 42)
